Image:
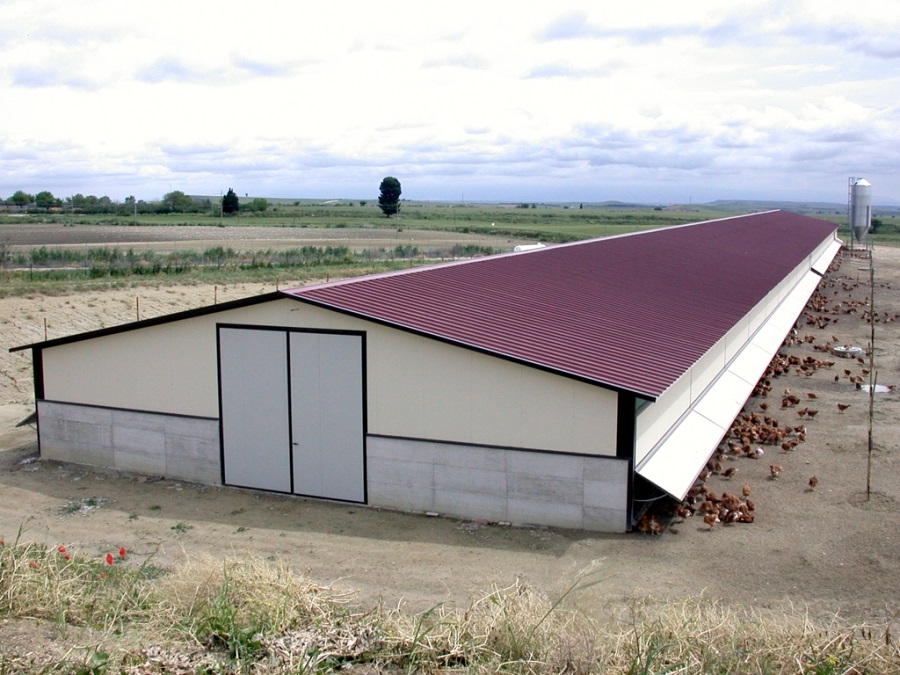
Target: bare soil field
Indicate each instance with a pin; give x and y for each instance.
(167, 238)
(830, 549)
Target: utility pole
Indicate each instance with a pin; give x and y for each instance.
(873, 376)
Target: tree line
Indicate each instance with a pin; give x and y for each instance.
(172, 202)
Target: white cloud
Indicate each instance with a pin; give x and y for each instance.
(646, 98)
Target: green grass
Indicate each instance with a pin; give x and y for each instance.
(57, 282)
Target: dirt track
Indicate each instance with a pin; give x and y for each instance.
(828, 548)
(167, 238)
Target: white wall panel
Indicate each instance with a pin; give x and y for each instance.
(416, 387)
(657, 418)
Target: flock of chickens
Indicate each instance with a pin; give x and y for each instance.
(754, 433)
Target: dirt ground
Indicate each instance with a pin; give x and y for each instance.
(168, 238)
(831, 550)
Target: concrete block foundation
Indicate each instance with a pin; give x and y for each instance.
(498, 484)
(185, 448)
(518, 486)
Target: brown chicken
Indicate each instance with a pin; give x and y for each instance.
(775, 470)
(843, 406)
(813, 482)
(710, 519)
(683, 512)
(730, 501)
(747, 489)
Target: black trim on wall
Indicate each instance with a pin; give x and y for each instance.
(219, 396)
(290, 406)
(37, 368)
(625, 440)
(365, 413)
(467, 444)
(289, 329)
(131, 410)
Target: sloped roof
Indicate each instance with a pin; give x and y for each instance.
(632, 312)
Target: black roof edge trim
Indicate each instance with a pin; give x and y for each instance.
(524, 362)
(158, 320)
(279, 295)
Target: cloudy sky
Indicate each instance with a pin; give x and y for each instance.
(659, 102)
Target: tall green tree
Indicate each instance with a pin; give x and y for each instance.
(389, 199)
(21, 198)
(45, 199)
(176, 201)
(230, 202)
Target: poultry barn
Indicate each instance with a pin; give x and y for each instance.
(558, 386)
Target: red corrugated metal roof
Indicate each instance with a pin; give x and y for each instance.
(632, 312)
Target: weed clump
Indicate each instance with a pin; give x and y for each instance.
(255, 615)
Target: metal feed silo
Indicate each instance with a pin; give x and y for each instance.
(860, 207)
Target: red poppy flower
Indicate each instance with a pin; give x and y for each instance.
(109, 559)
(61, 549)
(32, 563)
(66, 556)
(102, 575)
(122, 553)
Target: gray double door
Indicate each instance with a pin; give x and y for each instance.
(292, 411)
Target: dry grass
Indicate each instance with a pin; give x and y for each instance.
(257, 616)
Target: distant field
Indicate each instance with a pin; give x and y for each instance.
(540, 222)
(550, 223)
(62, 252)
